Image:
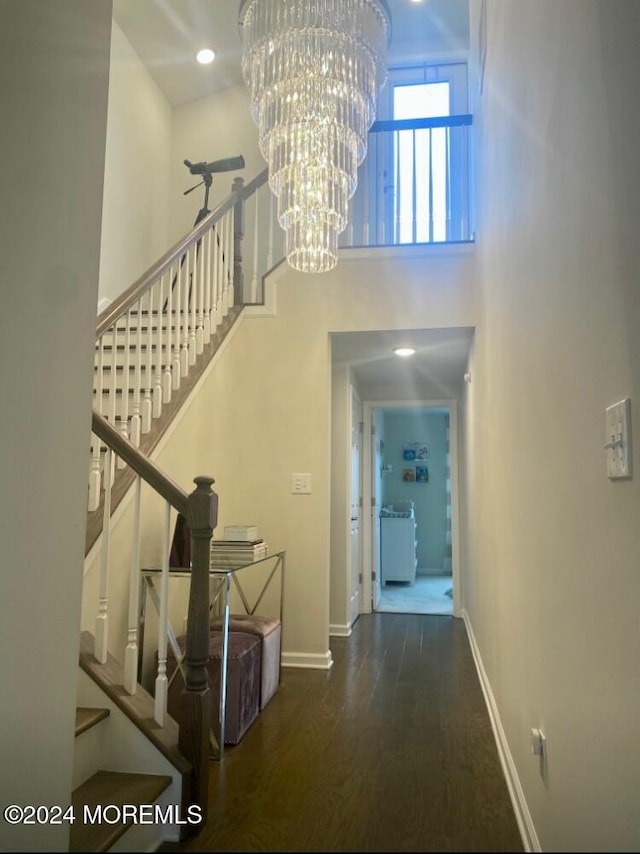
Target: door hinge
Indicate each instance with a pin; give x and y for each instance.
(373, 501)
(373, 576)
(359, 578)
(360, 501)
(361, 427)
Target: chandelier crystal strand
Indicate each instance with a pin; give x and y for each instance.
(314, 69)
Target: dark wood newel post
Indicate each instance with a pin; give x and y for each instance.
(238, 237)
(202, 515)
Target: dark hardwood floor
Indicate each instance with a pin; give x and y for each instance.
(390, 750)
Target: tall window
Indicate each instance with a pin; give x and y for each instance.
(413, 186)
(421, 164)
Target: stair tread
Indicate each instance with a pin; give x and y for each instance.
(87, 717)
(110, 788)
(138, 707)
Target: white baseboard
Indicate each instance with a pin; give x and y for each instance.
(307, 660)
(523, 816)
(340, 631)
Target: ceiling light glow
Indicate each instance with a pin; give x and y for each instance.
(205, 56)
(404, 351)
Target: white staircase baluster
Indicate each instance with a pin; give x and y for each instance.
(253, 287)
(193, 299)
(168, 333)
(366, 230)
(399, 198)
(224, 308)
(102, 620)
(124, 405)
(160, 710)
(177, 323)
(271, 204)
(217, 303)
(99, 380)
(184, 348)
(199, 291)
(229, 256)
(430, 185)
(448, 235)
(147, 406)
(157, 382)
(206, 260)
(95, 476)
(131, 652)
(137, 381)
(112, 389)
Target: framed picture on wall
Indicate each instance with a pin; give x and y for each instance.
(415, 451)
(409, 475)
(422, 474)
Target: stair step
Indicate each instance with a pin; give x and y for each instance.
(113, 789)
(88, 717)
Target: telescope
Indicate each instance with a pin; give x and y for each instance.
(206, 172)
(226, 164)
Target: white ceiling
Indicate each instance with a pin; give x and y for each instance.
(166, 35)
(441, 355)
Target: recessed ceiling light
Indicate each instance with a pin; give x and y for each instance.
(205, 56)
(404, 351)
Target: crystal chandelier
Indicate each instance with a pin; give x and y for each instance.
(314, 69)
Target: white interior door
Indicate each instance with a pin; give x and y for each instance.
(355, 506)
(376, 498)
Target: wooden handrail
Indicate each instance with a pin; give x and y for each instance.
(147, 470)
(200, 508)
(129, 297)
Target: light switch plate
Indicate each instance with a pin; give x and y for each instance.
(618, 439)
(301, 484)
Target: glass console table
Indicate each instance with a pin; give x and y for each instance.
(224, 575)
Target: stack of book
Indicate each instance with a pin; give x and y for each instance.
(241, 532)
(235, 552)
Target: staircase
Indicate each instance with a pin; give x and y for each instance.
(139, 779)
(129, 778)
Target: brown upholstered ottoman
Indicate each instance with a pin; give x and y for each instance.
(243, 682)
(270, 630)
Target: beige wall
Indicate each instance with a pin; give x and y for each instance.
(264, 412)
(552, 586)
(137, 172)
(207, 130)
(54, 65)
